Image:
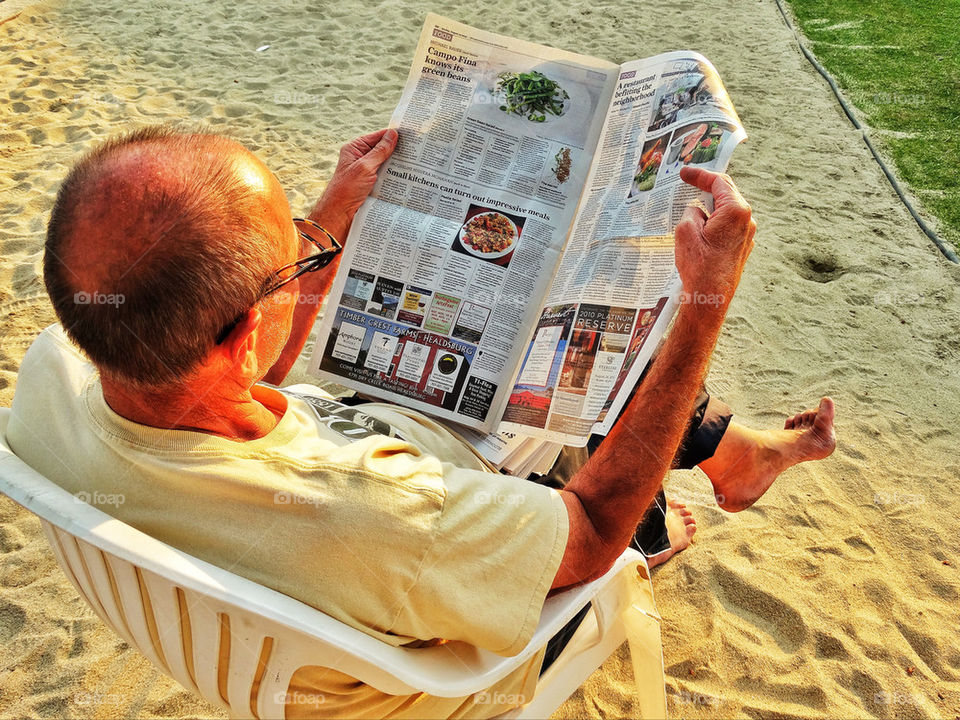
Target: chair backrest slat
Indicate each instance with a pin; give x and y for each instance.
(202, 613)
(100, 573)
(166, 612)
(246, 646)
(137, 610)
(69, 548)
(286, 656)
(56, 547)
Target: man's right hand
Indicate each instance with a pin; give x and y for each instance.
(711, 251)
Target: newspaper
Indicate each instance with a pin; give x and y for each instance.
(513, 268)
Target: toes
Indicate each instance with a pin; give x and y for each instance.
(675, 504)
(823, 426)
(825, 414)
(794, 422)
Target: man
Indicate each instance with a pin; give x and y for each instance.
(162, 263)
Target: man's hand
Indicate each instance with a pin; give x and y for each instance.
(353, 180)
(711, 252)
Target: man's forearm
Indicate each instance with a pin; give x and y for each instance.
(618, 483)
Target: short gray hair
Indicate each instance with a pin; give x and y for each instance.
(208, 255)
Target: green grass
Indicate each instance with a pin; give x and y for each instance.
(898, 62)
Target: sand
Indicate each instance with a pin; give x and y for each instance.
(835, 596)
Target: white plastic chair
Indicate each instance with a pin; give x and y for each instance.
(183, 613)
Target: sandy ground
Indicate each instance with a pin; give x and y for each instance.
(836, 596)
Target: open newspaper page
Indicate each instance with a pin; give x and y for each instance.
(448, 261)
(617, 289)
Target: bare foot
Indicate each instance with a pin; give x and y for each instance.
(748, 461)
(680, 529)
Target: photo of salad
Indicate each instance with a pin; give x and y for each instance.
(651, 158)
(531, 95)
(489, 234)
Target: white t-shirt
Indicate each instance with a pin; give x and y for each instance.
(375, 515)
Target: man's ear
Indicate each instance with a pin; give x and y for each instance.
(240, 345)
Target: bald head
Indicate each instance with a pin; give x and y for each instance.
(157, 240)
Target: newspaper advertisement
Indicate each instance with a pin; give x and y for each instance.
(617, 289)
(448, 261)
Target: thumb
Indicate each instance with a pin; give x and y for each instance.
(381, 151)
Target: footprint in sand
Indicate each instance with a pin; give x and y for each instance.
(866, 688)
(927, 649)
(862, 548)
(818, 267)
(11, 539)
(12, 619)
(57, 706)
(946, 590)
(16, 572)
(829, 647)
(760, 608)
(798, 695)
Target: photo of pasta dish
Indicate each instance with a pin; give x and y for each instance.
(489, 233)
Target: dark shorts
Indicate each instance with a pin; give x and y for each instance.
(708, 423)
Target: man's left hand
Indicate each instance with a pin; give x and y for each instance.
(353, 180)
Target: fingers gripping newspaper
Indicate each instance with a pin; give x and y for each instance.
(513, 270)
